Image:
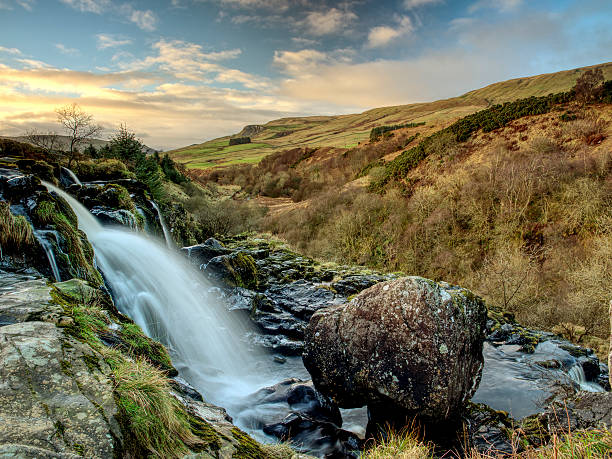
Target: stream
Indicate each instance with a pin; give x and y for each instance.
(210, 347)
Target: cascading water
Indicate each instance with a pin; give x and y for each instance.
(72, 175)
(167, 297)
(46, 245)
(162, 221)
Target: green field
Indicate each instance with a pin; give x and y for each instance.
(347, 131)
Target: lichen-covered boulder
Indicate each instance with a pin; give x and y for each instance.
(409, 346)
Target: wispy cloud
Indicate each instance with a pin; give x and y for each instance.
(25, 4)
(66, 50)
(411, 4)
(144, 19)
(9, 50)
(89, 6)
(383, 35)
(328, 22)
(499, 5)
(111, 41)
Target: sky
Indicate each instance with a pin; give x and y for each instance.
(178, 72)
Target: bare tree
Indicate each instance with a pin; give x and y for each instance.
(49, 141)
(589, 85)
(78, 125)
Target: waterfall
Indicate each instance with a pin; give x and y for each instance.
(72, 175)
(169, 299)
(46, 245)
(162, 221)
(576, 374)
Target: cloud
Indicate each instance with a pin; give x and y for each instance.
(328, 22)
(299, 62)
(281, 5)
(33, 63)
(25, 4)
(411, 4)
(66, 50)
(383, 35)
(111, 41)
(88, 6)
(146, 20)
(502, 6)
(9, 50)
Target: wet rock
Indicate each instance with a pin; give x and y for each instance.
(355, 284)
(409, 346)
(320, 438)
(109, 216)
(585, 410)
(235, 270)
(201, 254)
(302, 397)
(488, 430)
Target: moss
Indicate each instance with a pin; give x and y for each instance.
(247, 448)
(66, 367)
(241, 270)
(204, 431)
(137, 344)
(575, 351)
(79, 449)
(56, 212)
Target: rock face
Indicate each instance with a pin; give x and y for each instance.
(409, 346)
(57, 398)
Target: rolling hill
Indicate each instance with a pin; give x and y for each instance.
(346, 131)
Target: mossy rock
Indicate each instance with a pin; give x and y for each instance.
(237, 269)
(135, 343)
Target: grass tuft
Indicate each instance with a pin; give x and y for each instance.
(15, 231)
(156, 419)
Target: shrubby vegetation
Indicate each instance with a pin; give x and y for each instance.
(377, 133)
(239, 141)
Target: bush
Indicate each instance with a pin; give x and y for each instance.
(239, 141)
(377, 132)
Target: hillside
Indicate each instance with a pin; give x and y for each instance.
(347, 131)
(513, 202)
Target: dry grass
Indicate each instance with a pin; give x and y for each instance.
(155, 418)
(15, 231)
(399, 445)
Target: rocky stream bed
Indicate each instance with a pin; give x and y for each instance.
(56, 389)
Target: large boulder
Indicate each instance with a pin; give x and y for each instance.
(409, 347)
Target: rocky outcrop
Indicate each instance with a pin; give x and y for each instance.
(57, 397)
(409, 346)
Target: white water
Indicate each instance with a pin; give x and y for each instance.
(168, 298)
(50, 256)
(576, 374)
(167, 235)
(72, 175)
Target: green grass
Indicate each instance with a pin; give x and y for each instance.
(15, 231)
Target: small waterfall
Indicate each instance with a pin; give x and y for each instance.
(46, 245)
(72, 175)
(576, 374)
(169, 299)
(162, 221)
